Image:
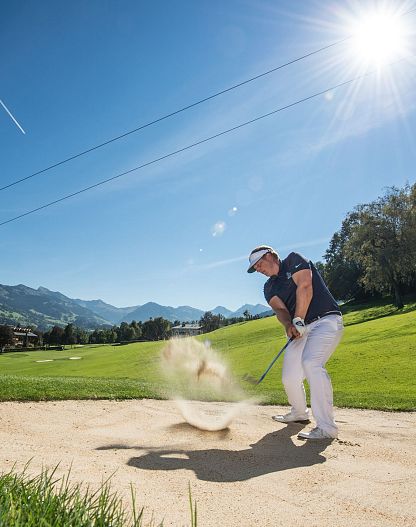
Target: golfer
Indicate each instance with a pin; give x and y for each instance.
(310, 315)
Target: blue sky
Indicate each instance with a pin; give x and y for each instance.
(75, 74)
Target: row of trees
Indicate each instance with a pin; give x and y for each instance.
(153, 329)
(210, 322)
(374, 252)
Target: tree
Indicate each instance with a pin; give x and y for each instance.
(81, 336)
(98, 336)
(70, 336)
(111, 335)
(137, 327)
(6, 337)
(382, 241)
(93, 337)
(156, 329)
(341, 272)
(56, 336)
(125, 332)
(40, 336)
(247, 315)
(210, 322)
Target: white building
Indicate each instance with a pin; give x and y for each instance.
(186, 330)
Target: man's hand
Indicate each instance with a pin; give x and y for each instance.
(300, 326)
(292, 332)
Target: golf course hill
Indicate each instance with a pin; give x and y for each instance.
(374, 366)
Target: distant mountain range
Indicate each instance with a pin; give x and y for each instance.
(106, 311)
(44, 308)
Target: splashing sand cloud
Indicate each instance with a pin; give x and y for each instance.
(196, 373)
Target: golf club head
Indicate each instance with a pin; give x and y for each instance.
(250, 379)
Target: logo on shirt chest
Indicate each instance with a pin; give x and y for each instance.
(288, 275)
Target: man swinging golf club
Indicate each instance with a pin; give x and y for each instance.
(310, 315)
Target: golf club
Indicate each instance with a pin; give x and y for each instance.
(252, 380)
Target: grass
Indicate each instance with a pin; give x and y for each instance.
(22, 388)
(374, 366)
(47, 501)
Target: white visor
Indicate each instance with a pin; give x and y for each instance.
(255, 257)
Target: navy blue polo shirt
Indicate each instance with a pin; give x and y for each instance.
(283, 286)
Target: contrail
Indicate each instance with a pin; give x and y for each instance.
(10, 114)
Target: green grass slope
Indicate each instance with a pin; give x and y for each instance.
(374, 366)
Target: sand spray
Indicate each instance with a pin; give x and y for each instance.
(197, 375)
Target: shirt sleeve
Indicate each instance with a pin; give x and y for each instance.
(296, 262)
(267, 290)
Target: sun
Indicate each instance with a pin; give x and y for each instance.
(378, 38)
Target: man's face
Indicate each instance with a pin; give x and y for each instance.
(267, 265)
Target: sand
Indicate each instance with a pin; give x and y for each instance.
(194, 370)
(255, 473)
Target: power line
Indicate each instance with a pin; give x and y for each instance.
(175, 112)
(183, 109)
(188, 147)
(180, 110)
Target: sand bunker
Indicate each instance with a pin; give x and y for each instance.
(51, 360)
(211, 419)
(255, 473)
(196, 372)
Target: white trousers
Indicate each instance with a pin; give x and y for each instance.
(305, 358)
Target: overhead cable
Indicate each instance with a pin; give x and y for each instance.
(180, 110)
(188, 147)
(167, 116)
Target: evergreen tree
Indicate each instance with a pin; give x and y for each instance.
(56, 336)
(70, 336)
(6, 337)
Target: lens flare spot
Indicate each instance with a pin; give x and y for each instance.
(218, 229)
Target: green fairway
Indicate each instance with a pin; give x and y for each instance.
(374, 366)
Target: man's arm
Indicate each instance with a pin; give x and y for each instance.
(283, 316)
(304, 292)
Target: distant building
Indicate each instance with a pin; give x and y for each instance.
(186, 330)
(24, 338)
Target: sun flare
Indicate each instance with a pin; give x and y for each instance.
(378, 38)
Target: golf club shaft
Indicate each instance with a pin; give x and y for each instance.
(274, 360)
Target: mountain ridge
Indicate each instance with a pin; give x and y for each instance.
(44, 308)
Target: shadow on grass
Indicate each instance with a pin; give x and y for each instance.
(273, 453)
